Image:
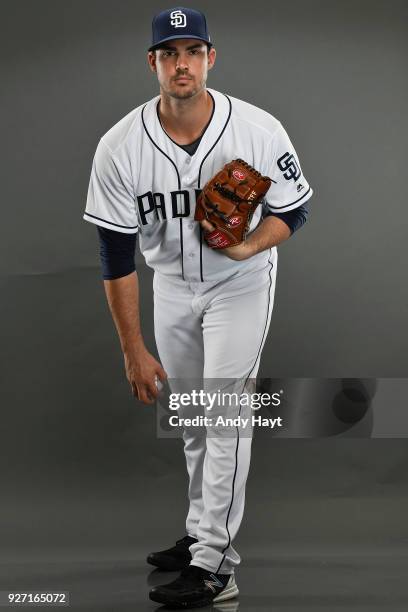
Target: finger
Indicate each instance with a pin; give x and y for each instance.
(161, 373)
(144, 395)
(152, 390)
(207, 226)
(139, 393)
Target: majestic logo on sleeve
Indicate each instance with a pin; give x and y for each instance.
(178, 19)
(289, 166)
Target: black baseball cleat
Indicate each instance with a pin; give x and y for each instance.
(173, 559)
(194, 588)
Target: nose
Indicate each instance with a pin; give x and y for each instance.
(181, 65)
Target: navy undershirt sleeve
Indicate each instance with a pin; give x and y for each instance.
(117, 253)
(117, 250)
(294, 219)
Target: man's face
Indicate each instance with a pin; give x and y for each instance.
(182, 67)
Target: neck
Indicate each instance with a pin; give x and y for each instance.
(184, 120)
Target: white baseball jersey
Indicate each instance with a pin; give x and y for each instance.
(142, 181)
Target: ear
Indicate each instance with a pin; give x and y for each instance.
(151, 58)
(211, 57)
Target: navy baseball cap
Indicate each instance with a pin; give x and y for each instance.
(178, 22)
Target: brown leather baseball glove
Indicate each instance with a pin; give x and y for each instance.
(228, 201)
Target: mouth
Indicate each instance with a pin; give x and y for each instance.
(182, 79)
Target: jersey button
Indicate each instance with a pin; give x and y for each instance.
(190, 225)
(191, 255)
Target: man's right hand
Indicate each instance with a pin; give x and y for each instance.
(142, 369)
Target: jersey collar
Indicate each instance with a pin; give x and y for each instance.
(215, 129)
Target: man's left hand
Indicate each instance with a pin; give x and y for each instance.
(238, 252)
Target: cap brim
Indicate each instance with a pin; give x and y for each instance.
(159, 44)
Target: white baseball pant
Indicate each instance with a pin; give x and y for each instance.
(210, 331)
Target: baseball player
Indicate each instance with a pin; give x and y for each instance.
(212, 306)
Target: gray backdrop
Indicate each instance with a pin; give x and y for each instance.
(84, 478)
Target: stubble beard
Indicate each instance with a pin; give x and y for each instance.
(185, 93)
